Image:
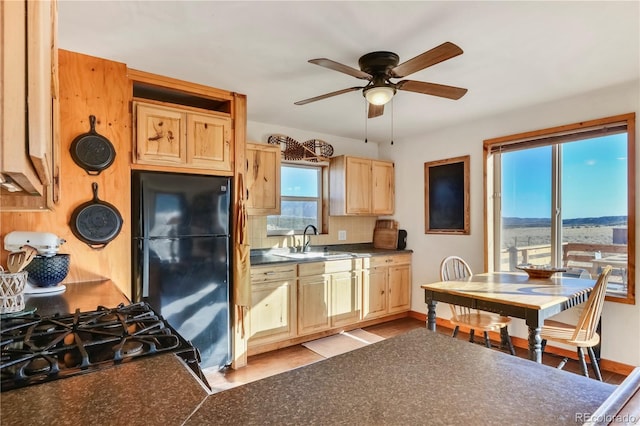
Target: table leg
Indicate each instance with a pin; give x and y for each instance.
(431, 315)
(535, 344)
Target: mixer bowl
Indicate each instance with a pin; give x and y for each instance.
(48, 271)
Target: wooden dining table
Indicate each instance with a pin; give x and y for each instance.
(511, 294)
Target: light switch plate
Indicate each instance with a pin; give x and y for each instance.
(342, 235)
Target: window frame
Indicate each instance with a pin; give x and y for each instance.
(319, 168)
(550, 136)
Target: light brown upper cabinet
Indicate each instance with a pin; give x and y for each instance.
(383, 194)
(29, 111)
(180, 136)
(263, 179)
(361, 186)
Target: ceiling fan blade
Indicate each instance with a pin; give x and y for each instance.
(327, 95)
(336, 66)
(434, 89)
(431, 57)
(375, 110)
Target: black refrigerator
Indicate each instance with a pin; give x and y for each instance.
(180, 256)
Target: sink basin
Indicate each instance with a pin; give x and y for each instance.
(317, 255)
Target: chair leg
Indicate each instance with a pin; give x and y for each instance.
(562, 363)
(506, 339)
(487, 341)
(583, 363)
(472, 333)
(455, 331)
(594, 363)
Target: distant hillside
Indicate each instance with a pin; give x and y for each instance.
(523, 222)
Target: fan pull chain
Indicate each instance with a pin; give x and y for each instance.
(366, 119)
(391, 121)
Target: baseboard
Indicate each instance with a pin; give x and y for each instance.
(605, 364)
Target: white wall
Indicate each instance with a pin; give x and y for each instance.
(620, 322)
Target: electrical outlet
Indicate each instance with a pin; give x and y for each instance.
(342, 235)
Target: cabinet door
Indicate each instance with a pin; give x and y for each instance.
(263, 179)
(345, 298)
(313, 303)
(209, 142)
(383, 187)
(358, 185)
(272, 314)
(160, 135)
(399, 288)
(374, 292)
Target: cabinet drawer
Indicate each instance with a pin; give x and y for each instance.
(388, 260)
(273, 273)
(328, 267)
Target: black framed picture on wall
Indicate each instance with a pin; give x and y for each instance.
(446, 196)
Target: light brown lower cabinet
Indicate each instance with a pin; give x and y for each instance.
(328, 295)
(346, 298)
(293, 301)
(273, 313)
(313, 303)
(386, 285)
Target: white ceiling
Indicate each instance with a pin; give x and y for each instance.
(515, 53)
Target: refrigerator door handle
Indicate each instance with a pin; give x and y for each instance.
(145, 269)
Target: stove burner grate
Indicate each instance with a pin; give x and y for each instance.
(36, 350)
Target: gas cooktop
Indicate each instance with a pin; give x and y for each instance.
(38, 349)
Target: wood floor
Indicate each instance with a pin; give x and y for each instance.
(278, 361)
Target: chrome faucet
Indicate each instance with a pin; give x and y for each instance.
(305, 244)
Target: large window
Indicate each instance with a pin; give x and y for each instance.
(301, 200)
(565, 197)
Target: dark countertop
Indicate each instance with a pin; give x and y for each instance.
(85, 296)
(159, 390)
(417, 378)
(261, 257)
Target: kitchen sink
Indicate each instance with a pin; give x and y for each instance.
(317, 255)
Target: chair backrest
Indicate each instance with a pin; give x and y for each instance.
(588, 322)
(453, 268)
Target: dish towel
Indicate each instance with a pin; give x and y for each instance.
(241, 259)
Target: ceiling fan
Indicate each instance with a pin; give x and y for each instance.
(380, 67)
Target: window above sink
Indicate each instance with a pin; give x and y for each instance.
(301, 200)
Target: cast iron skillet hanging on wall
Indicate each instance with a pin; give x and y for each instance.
(96, 222)
(91, 151)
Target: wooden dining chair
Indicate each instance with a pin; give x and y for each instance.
(583, 334)
(454, 268)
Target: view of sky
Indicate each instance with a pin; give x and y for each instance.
(299, 181)
(594, 180)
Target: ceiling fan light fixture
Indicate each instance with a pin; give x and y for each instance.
(379, 95)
